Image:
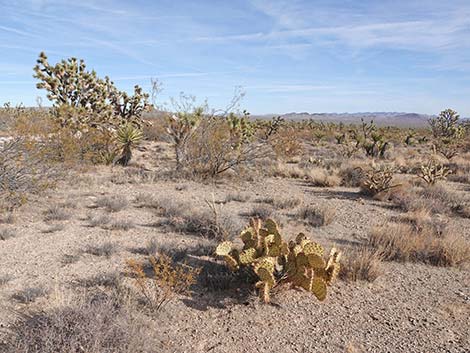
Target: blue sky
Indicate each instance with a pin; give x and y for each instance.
(288, 55)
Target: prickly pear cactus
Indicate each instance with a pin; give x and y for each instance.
(300, 262)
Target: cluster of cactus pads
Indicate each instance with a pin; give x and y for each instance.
(299, 262)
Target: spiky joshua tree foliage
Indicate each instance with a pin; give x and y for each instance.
(299, 262)
(84, 102)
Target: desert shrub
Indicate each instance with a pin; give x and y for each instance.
(4, 279)
(274, 261)
(403, 242)
(23, 171)
(361, 264)
(260, 211)
(53, 228)
(181, 126)
(323, 178)
(285, 170)
(212, 222)
(433, 172)
(106, 249)
(8, 218)
(237, 197)
(287, 203)
(317, 216)
(93, 325)
(351, 176)
(285, 144)
(98, 220)
(166, 281)
(112, 203)
(144, 199)
(7, 233)
(29, 295)
(107, 280)
(377, 179)
(121, 224)
(56, 213)
(216, 147)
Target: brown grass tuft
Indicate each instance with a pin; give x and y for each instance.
(404, 242)
(318, 216)
(361, 264)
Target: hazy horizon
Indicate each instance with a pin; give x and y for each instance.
(288, 56)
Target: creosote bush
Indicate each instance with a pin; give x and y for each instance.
(274, 261)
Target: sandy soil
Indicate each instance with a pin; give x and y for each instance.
(410, 308)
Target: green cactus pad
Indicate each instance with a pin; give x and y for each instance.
(248, 256)
(313, 248)
(315, 261)
(224, 248)
(318, 288)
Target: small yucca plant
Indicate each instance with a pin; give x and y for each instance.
(127, 136)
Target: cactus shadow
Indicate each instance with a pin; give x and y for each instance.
(218, 287)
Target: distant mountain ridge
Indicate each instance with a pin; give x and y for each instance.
(380, 118)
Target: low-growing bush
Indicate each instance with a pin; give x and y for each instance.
(95, 324)
(361, 264)
(317, 216)
(56, 213)
(166, 281)
(403, 242)
(112, 203)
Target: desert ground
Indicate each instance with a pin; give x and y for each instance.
(64, 254)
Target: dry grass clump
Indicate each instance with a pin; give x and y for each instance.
(288, 203)
(106, 249)
(24, 169)
(8, 218)
(112, 203)
(54, 228)
(56, 213)
(98, 220)
(29, 295)
(351, 176)
(4, 279)
(284, 170)
(317, 216)
(260, 211)
(145, 200)
(166, 281)
(7, 233)
(323, 178)
(437, 199)
(121, 224)
(107, 280)
(237, 197)
(404, 242)
(98, 324)
(440, 199)
(361, 264)
(212, 222)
